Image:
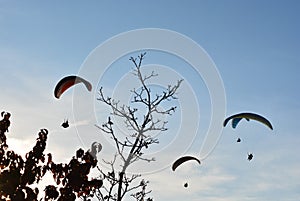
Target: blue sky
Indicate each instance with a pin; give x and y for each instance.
(255, 46)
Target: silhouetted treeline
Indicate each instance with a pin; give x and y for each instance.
(18, 173)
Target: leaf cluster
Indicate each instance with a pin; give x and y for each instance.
(17, 174)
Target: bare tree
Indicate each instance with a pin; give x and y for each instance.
(131, 149)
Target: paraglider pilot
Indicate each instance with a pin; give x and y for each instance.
(65, 124)
(250, 156)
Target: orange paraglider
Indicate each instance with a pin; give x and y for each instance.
(69, 81)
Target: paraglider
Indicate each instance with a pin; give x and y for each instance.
(250, 156)
(65, 124)
(186, 185)
(238, 140)
(238, 117)
(67, 82)
(183, 159)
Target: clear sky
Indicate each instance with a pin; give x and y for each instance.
(254, 44)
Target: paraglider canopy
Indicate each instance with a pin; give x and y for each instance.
(69, 81)
(182, 160)
(238, 117)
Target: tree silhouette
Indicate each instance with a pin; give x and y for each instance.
(17, 174)
(72, 180)
(131, 149)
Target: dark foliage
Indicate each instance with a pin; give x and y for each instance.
(17, 173)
